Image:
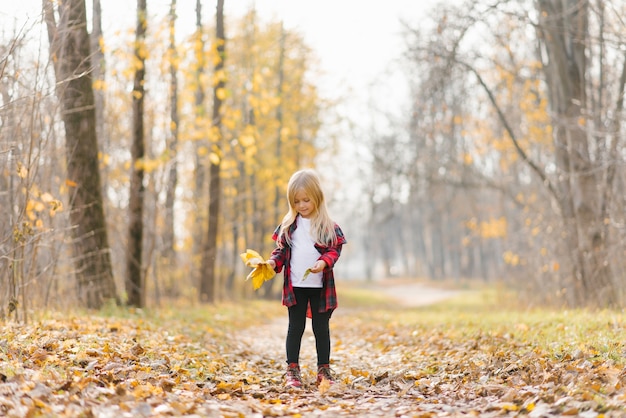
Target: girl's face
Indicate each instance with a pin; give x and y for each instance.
(303, 204)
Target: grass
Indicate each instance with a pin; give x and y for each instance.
(475, 312)
(494, 312)
(218, 318)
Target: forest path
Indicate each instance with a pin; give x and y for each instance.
(371, 369)
(412, 294)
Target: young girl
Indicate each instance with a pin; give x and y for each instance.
(308, 244)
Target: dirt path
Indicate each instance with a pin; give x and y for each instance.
(371, 368)
(411, 294)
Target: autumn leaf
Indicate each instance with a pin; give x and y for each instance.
(262, 270)
(226, 360)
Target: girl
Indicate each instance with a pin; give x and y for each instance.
(308, 244)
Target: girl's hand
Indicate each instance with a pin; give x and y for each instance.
(272, 263)
(318, 266)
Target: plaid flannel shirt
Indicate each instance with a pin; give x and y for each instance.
(328, 253)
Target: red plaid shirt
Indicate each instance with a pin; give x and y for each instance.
(328, 253)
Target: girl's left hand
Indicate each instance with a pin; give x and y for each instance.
(318, 266)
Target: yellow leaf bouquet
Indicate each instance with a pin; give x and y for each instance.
(262, 270)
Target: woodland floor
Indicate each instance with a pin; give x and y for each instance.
(221, 366)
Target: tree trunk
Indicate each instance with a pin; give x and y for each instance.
(169, 254)
(70, 52)
(271, 291)
(200, 114)
(208, 282)
(563, 31)
(99, 70)
(134, 273)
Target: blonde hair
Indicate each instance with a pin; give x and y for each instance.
(322, 226)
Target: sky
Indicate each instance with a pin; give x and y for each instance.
(356, 40)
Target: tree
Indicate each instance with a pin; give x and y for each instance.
(99, 69)
(563, 32)
(209, 254)
(200, 113)
(532, 127)
(70, 53)
(169, 254)
(135, 275)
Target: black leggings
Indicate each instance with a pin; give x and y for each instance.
(297, 323)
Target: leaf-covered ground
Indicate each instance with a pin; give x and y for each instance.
(463, 357)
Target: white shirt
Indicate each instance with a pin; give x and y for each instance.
(304, 255)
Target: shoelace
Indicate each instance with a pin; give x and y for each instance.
(294, 373)
(326, 373)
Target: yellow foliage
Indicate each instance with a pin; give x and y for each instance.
(99, 85)
(141, 51)
(218, 77)
(229, 123)
(105, 159)
(221, 93)
(511, 258)
(246, 140)
(492, 228)
(284, 133)
(202, 151)
(22, 171)
(215, 134)
(214, 158)
(102, 45)
(262, 270)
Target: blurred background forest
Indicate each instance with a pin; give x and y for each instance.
(137, 166)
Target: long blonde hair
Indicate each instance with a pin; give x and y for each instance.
(322, 226)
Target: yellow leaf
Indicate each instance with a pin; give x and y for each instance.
(221, 93)
(47, 198)
(324, 386)
(507, 406)
(99, 85)
(70, 183)
(262, 270)
(214, 158)
(249, 255)
(55, 206)
(22, 171)
(261, 274)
